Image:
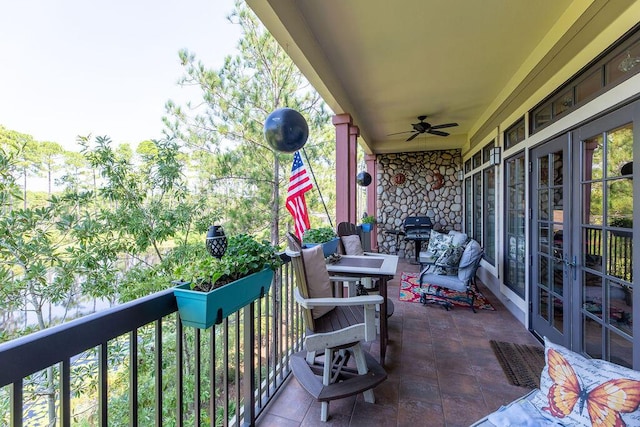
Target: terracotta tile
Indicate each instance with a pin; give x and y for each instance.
(458, 385)
(335, 418)
(459, 411)
(370, 415)
(292, 403)
(269, 420)
(420, 389)
(412, 413)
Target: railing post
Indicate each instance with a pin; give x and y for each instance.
(249, 365)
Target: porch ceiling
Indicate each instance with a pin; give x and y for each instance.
(387, 62)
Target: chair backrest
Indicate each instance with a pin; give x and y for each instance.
(346, 229)
(312, 278)
(470, 261)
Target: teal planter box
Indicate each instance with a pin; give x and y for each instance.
(367, 227)
(203, 309)
(330, 247)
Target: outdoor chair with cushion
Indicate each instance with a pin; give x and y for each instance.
(334, 329)
(350, 244)
(454, 272)
(438, 242)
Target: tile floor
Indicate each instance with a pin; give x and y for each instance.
(441, 371)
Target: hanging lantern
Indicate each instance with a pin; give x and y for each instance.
(363, 179)
(286, 130)
(216, 241)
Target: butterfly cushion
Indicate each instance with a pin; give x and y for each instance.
(587, 392)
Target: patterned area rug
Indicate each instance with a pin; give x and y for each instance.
(408, 292)
(522, 364)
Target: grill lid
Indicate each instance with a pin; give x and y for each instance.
(417, 222)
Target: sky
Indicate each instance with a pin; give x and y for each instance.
(78, 67)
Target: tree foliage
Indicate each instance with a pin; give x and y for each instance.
(225, 130)
(115, 222)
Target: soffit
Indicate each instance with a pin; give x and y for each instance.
(386, 62)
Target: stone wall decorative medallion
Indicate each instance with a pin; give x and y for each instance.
(399, 178)
(438, 181)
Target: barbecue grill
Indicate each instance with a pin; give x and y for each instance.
(418, 230)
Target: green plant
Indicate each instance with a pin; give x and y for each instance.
(244, 256)
(369, 219)
(622, 222)
(319, 235)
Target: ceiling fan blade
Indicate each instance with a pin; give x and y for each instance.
(437, 132)
(399, 133)
(446, 125)
(412, 136)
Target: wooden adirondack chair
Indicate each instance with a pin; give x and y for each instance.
(335, 327)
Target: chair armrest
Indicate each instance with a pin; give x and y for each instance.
(344, 279)
(323, 302)
(321, 341)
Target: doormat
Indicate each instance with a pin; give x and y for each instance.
(522, 364)
(409, 292)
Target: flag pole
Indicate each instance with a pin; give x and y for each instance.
(317, 186)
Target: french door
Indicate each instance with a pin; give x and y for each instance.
(582, 237)
(552, 262)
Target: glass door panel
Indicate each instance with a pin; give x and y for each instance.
(605, 237)
(514, 217)
(550, 272)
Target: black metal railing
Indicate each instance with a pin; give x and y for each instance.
(617, 251)
(135, 364)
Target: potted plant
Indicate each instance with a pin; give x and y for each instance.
(324, 236)
(367, 222)
(210, 289)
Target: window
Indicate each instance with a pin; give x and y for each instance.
(486, 151)
(480, 201)
(489, 225)
(514, 134)
(477, 159)
(477, 207)
(514, 224)
(468, 220)
(615, 65)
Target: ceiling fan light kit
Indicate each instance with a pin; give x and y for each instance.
(424, 127)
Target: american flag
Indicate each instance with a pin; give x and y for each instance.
(299, 183)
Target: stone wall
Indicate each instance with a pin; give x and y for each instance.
(409, 184)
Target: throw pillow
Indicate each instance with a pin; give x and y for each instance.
(586, 392)
(352, 245)
(318, 283)
(438, 243)
(458, 238)
(447, 262)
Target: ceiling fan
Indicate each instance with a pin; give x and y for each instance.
(424, 127)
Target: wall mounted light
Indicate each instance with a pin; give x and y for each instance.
(494, 156)
(460, 175)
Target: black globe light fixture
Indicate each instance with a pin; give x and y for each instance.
(216, 241)
(286, 130)
(363, 179)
